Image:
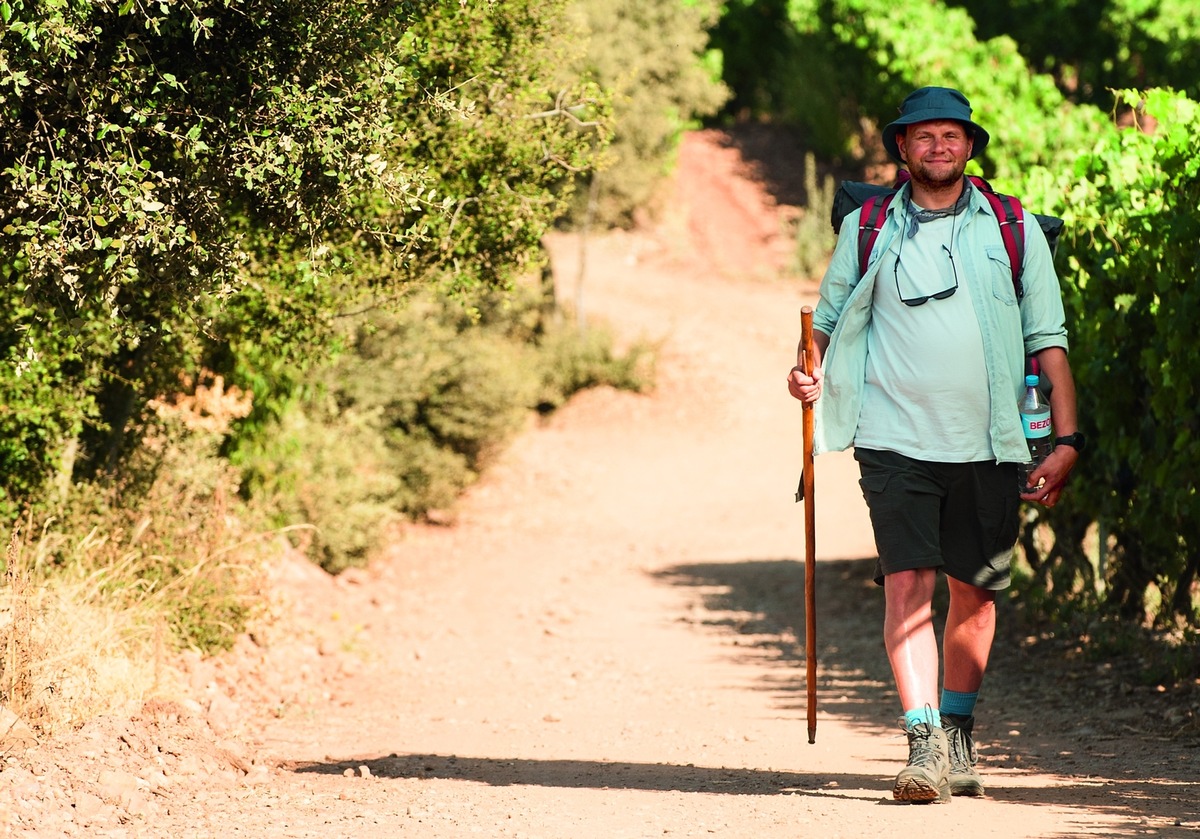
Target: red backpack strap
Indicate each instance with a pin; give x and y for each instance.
(870, 221)
(1011, 217)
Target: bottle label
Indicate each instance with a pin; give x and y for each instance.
(1036, 426)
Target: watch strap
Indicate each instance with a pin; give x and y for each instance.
(1075, 441)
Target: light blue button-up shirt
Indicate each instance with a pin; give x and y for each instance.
(1011, 330)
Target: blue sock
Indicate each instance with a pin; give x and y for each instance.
(959, 704)
(923, 714)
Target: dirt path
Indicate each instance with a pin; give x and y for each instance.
(608, 642)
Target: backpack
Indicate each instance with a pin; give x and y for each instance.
(875, 200)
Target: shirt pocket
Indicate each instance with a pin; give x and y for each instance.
(1000, 268)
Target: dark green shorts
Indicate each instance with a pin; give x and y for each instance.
(959, 517)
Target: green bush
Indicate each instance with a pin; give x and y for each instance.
(332, 483)
(781, 68)
(838, 69)
(420, 403)
(1131, 294)
(655, 60)
(211, 184)
(1093, 48)
(571, 361)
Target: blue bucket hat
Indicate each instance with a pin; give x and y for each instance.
(930, 103)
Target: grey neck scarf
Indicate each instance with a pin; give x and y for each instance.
(918, 216)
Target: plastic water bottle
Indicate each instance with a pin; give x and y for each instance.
(1035, 417)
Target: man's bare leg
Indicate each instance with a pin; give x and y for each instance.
(912, 650)
(967, 644)
(909, 637)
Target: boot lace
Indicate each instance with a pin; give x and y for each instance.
(963, 754)
(921, 749)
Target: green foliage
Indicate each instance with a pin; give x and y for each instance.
(215, 183)
(282, 320)
(571, 361)
(884, 52)
(129, 133)
(138, 145)
(779, 72)
(1091, 48)
(423, 400)
(1133, 298)
(1166, 654)
(654, 59)
(42, 404)
(335, 483)
(824, 65)
(396, 426)
(500, 138)
(756, 41)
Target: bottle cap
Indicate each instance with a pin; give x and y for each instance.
(1032, 380)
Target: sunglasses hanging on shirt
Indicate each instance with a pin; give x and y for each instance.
(915, 219)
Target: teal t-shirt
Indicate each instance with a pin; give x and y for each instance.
(926, 386)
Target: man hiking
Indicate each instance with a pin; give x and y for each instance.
(921, 355)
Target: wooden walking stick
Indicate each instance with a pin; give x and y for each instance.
(810, 533)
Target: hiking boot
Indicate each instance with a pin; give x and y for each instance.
(964, 780)
(926, 778)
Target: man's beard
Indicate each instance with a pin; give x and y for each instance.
(935, 183)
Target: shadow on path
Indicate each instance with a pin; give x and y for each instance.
(776, 155)
(592, 774)
(1122, 804)
(759, 604)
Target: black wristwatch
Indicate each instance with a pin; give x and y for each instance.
(1075, 441)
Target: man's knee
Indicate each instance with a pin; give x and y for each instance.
(970, 596)
(911, 585)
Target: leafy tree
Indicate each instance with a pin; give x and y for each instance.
(1091, 48)
(138, 142)
(756, 42)
(883, 52)
(502, 141)
(654, 59)
(498, 133)
(1130, 255)
(130, 133)
(215, 181)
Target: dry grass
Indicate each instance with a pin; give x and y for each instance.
(70, 653)
(99, 598)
